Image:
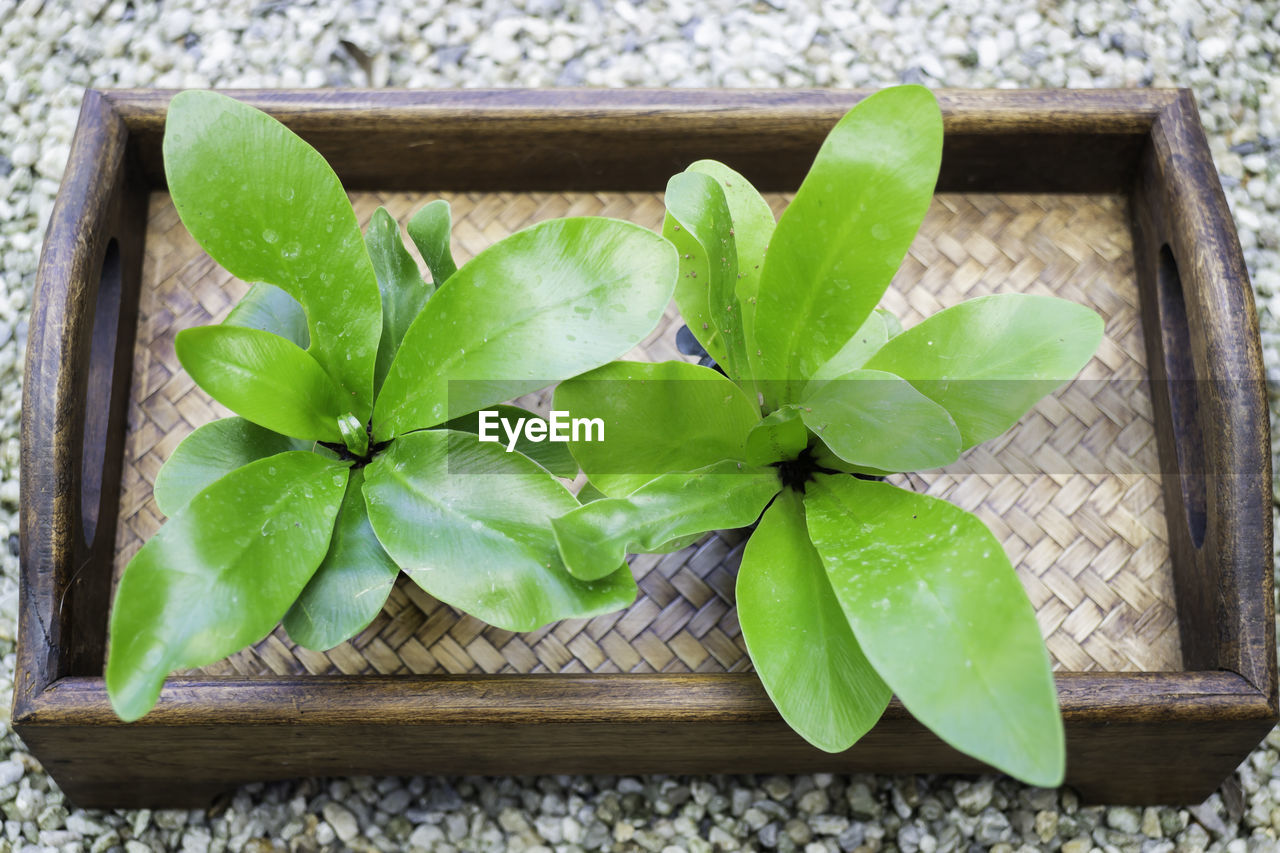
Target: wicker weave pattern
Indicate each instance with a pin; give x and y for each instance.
(1090, 547)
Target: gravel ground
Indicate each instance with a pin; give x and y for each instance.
(50, 51)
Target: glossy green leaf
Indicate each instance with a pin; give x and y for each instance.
(589, 493)
(672, 416)
(480, 538)
(267, 207)
(351, 585)
(842, 238)
(824, 458)
(211, 452)
(400, 284)
(552, 455)
(691, 288)
(753, 225)
(594, 538)
(263, 378)
(799, 639)
(431, 231)
(855, 352)
(544, 304)
(988, 360)
(221, 573)
(677, 544)
(877, 420)
(892, 325)
(698, 204)
(780, 436)
(270, 309)
(941, 615)
(354, 435)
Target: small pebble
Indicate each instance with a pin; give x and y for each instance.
(50, 52)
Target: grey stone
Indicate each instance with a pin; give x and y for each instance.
(106, 841)
(426, 836)
(1151, 823)
(10, 771)
(52, 817)
(862, 804)
(1209, 818)
(1124, 819)
(396, 801)
(1046, 826)
(722, 839)
(993, 827)
(814, 802)
(852, 837)
(798, 831)
(27, 804)
(1224, 51)
(778, 787)
(828, 824)
(344, 823)
(196, 840)
(975, 796)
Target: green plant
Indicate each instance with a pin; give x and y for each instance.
(353, 456)
(850, 589)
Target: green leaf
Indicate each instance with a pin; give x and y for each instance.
(431, 231)
(589, 493)
(672, 416)
(400, 284)
(780, 436)
(351, 585)
(855, 352)
(988, 360)
(842, 238)
(354, 435)
(264, 379)
(892, 325)
(552, 455)
(211, 452)
(799, 639)
(941, 615)
(481, 537)
(753, 225)
(270, 309)
(877, 420)
(267, 207)
(595, 537)
(219, 575)
(824, 458)
(697, 202)
(544, 304)
(691, 288)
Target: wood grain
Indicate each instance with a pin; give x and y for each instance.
(1122, 744)
(628, 139)
(1138, 737)
(63, 585)
(1206, 361)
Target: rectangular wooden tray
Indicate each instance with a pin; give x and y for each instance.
(1135, 503)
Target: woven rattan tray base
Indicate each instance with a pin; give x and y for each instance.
(1089, 541)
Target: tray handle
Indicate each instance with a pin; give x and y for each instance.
(78, 367)
(1213, 422)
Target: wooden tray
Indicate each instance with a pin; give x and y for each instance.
(1152, 589)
